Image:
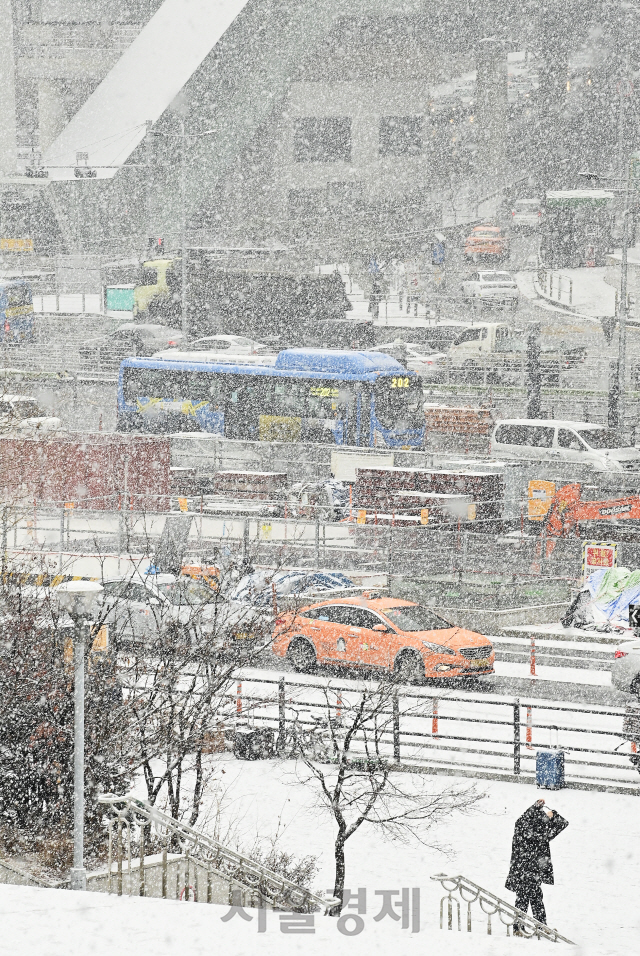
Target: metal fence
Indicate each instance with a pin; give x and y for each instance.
(442, 732)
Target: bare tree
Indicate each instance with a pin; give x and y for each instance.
(357, 781)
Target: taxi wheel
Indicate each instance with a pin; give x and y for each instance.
(635, 686)
(302, 655)
(408, 667)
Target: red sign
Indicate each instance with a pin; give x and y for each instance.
(600, 557)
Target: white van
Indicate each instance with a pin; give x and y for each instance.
(543, 439)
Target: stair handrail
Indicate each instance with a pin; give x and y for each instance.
(278, 889)
(491, 905)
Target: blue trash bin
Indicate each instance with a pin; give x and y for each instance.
(550, 769)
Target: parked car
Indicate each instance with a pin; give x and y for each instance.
(423, 359)
(486, 242)
(386, 634)
(258, 588)
(625, 670)
(582, 443)
(21, 414)
(526, 213)
(129, 340)
(492, 288)
(140, 607)
(235, 349)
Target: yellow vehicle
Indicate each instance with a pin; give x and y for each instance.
(159, 291)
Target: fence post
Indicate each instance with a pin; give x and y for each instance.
(532, 657)
(239, 699)
(317, 542)
(141, 874)
(396, 728)
(165, 873)
(61, 540)
(434, 717)
(529, 734)
(119, 850)
(282, 725)
(516, 736)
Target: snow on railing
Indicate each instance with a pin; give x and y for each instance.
(490, 905)
(276, 890)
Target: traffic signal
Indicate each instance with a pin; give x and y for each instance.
(156, 246)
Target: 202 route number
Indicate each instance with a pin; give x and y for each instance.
(399, 383)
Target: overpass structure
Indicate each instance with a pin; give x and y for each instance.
(237, 97)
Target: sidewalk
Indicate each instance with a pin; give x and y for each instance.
(590, 296)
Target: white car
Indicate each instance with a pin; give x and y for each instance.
(579, 443)
(493, 288)
(142, 606)
(625, 670)
(237, 349)
(21, 414)
(419, 358)
(526, 213)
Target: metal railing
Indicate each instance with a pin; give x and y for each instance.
(269, 887)
(437, 731)
(490, 905)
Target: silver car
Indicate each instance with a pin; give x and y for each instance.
(422, 359)
(625, 670)
(139, 608)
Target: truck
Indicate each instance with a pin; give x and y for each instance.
(497, 353)
(253, 297)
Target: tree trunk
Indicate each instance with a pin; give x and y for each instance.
(338, 885)
(197, 790)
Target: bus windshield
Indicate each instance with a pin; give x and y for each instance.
(398, 402)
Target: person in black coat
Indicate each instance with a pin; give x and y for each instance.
(531, 858)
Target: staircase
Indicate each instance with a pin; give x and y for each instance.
(204, 870)
(490, 905)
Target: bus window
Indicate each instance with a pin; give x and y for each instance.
(148, 276)
(169, 384)
(398, 402)
(18, 295)
(204, 387)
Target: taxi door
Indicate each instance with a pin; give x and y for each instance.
(329, 631)
(366, 647)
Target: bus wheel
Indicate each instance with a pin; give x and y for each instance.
(408, 667)
(302, 655)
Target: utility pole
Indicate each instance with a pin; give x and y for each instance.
(622, 316)
(183, 227)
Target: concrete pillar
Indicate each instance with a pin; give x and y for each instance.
(52, 111)
(553, 72)
(491, 108)
(8, 145)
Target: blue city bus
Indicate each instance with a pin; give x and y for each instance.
(308, 395)
(16, 311)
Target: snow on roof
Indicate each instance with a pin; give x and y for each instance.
(140, 86)
(578, 195)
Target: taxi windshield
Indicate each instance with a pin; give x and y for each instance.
(415, 617)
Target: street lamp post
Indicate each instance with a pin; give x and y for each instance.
(78, 599)
(622, 304)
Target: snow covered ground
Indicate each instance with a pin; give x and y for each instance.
(594, 901)
(591, 296)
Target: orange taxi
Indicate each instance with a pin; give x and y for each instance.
(398, 637)
(486, 241)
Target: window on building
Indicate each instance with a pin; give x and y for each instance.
(400, 135)
(322, 140)
(346, 196)
(305, 203)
